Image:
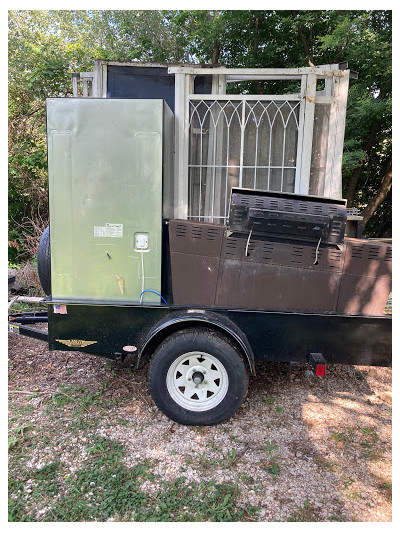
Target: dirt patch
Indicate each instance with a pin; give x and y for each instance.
(300, 448)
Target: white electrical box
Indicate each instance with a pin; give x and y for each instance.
(142, 241)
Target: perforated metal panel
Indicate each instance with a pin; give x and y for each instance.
(195, 260)
(211, 266)
(367, 278)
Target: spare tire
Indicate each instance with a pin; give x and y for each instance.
(44, 261)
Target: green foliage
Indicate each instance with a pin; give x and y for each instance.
(272, 465)
(80, 399)
(19, 438)
(387, 488)
(365, 439)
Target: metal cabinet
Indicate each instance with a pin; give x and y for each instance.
(108, 159)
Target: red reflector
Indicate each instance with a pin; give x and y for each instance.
(320, 370)
(129, 348)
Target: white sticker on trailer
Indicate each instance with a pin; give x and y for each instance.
(115, 230)
(99, 231)
(109, 230)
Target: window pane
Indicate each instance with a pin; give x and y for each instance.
(248, 143)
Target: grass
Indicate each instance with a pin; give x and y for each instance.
(330, 466)
(104, 487)
(364, 438)
(81, 400)
(348, 482)
(386, 487)
(337, 518)
(371, 448)
(246, 478)
(306, 513)
(354, 495)
(19, 436)
(223, 460)
(272, 465)
(21, 307)
(344, 437)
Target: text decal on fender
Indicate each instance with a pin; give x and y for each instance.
(76, 343)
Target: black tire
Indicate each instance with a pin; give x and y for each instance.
(11, 281)
(216, 351)
(44, 261)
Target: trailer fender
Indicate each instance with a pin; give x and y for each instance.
(192, 318)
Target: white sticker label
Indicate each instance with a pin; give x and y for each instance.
(99, 231)
(109, 230)
(115, 230)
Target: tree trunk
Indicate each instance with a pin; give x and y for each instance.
(352, 185)
(216, 52)
(384, 189)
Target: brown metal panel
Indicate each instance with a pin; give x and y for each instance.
(228, 284)
(195, 250)
(278, 275)
(194, 279)
(196, 237)
(363, 295)
(262, 286)
(366, 258)
(211, 268)
(367, 277)
(300, 255)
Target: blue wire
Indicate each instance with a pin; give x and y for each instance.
(154, 292)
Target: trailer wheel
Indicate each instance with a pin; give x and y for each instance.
(44, 262)
(198, 377)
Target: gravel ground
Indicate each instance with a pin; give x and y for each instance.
(300, 448)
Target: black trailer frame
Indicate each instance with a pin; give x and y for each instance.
(111, 330)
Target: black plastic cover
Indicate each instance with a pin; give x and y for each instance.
(287, 215)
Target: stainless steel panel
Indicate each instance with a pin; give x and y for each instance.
(105, 184)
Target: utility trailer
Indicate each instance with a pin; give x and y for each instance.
(196, 259)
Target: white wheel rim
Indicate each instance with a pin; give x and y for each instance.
(197, 381)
